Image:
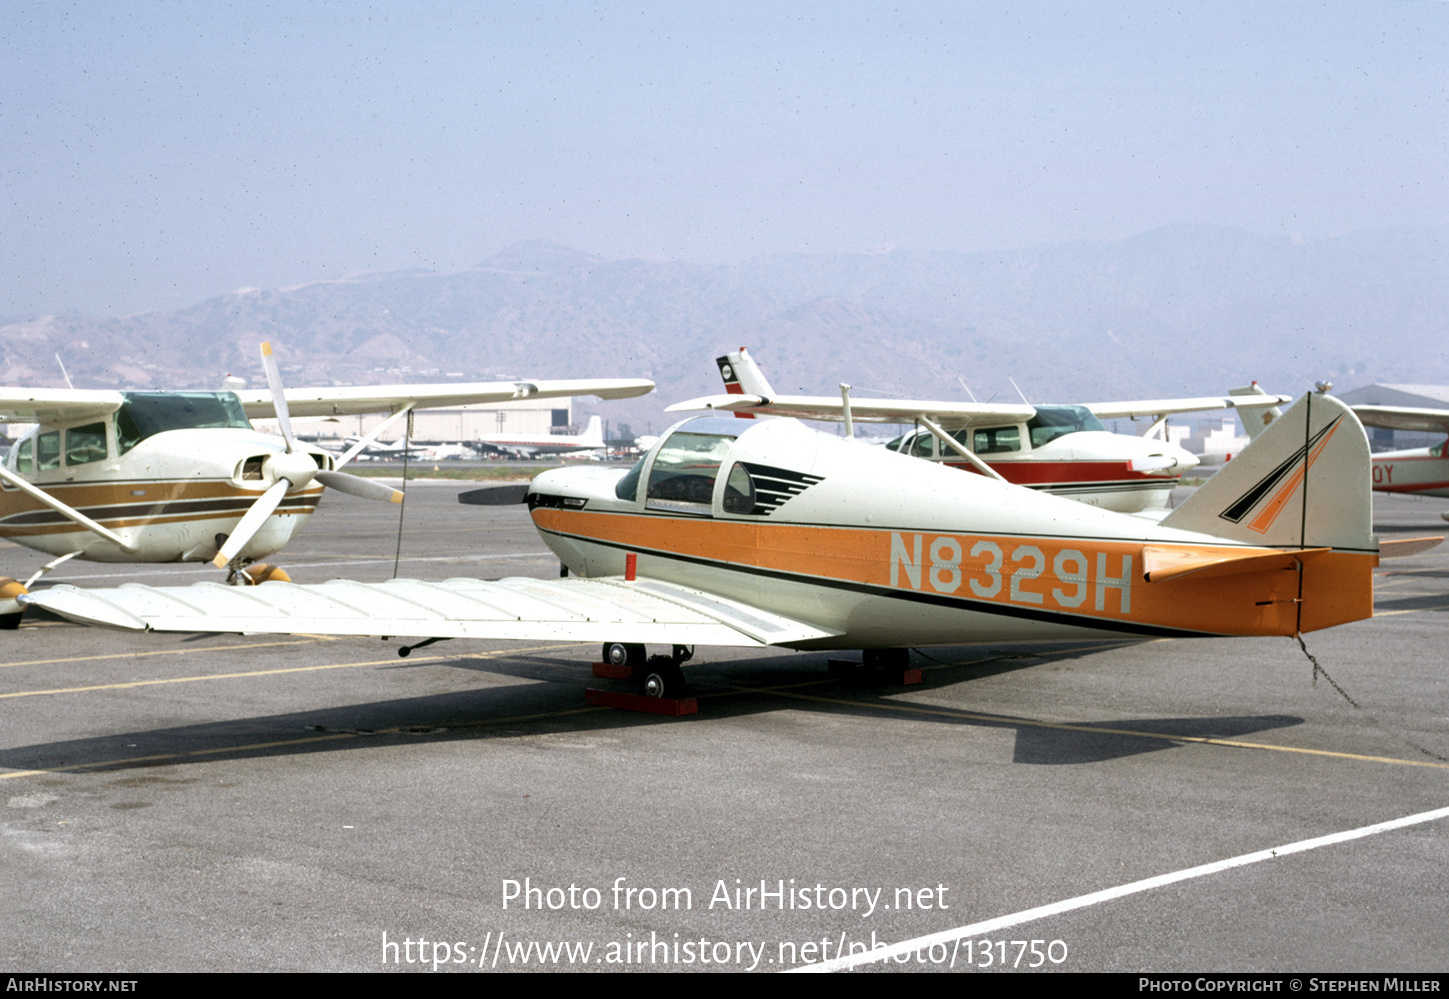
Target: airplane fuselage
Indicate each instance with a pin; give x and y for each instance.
(170, 495)
(1111, 471)
(872, 545)
(1420, 471)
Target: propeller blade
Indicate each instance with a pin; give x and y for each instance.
(279, 398)
(354, 485)
(251, 523)
(495, 495)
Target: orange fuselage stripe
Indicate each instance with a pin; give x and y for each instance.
(1065, 578)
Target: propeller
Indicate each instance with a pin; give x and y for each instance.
(292, 469)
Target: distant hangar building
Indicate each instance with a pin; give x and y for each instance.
(1416, 396)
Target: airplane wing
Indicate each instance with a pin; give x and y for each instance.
(823, 407)
(1404, 418)
(1166, 407)
(954, 415)
(573, 609)
(351, 400)
(25, 405)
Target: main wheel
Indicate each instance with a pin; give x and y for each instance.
(621, 654)
(662, 677)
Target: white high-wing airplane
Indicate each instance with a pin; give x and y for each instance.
(1063, 450)
(1422, 471)
(531, 445)
(182, 476)
(768, 533)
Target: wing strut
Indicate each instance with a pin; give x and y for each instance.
(377, 431)
(64, 509)
(956, 446)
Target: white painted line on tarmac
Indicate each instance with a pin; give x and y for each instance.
(947, 938)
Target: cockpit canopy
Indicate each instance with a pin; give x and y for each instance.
(686, 464)
(141, 415)
(146, 414)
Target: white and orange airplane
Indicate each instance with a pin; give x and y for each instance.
(1062, 450)
(769, 533)
(182, 476)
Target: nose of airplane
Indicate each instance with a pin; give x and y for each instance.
(297, 467)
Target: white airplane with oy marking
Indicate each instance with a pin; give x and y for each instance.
(1421, 471)
(1062, 450)
(182, 476)
(763, 533)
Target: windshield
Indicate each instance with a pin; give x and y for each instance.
(685, 468)
(1051, 422)
(145, 414)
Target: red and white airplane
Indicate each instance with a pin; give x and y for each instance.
(1062, 450)
(1422, 471)
(769, 533)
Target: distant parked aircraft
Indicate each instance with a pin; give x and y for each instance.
(531, 445)
(1062, 450)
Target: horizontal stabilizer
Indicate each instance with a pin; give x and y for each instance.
(1404, 547)
(1161, 564)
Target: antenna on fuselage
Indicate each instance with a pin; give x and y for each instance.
(969, 393)
(63, 373)
(1018, 390)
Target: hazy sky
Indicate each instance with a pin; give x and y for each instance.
(155, 154)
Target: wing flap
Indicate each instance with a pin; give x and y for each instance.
(600, 610)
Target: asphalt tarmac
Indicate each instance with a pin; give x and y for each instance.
(246, 803)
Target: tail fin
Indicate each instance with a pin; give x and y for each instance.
(1257, 416)
(742, 376)
(1303, 483)
(594, 433)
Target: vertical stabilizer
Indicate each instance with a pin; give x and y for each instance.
(593, 435)
(1255, 416)
(1304, 482)
(742, 376)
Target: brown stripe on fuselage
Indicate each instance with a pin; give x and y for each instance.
(114, 506)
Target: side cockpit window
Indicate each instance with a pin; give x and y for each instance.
(684, 472)
(85, 444)
(739, 494)
(47, 451)
(628, 487)
(997, 440)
